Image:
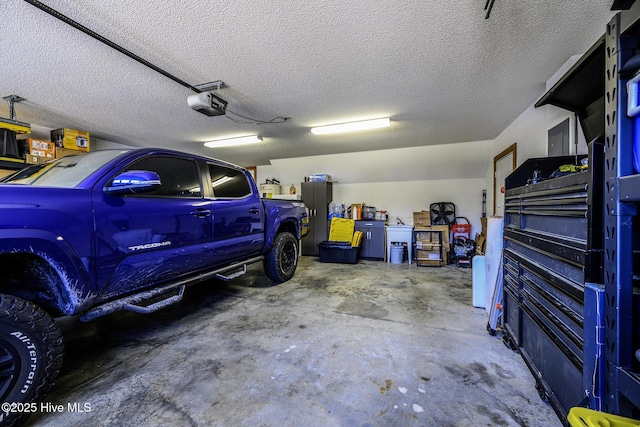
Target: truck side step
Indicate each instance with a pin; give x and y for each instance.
(233, 275)
(133, 302)
(146, 309)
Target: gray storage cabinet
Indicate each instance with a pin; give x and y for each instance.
(317, 196)
(372, 245)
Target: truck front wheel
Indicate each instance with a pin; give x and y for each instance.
(282, 259)
(30, 357)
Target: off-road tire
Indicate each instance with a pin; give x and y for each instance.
(282, 259)
(31, 351)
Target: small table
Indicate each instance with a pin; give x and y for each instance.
(399, 234)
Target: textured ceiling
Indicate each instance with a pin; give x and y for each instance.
(442, 72)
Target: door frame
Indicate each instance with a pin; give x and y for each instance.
(509, 150)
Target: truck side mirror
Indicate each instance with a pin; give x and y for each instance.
(133, 182)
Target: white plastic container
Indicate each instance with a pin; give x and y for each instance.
(479, 281)
(267, 191)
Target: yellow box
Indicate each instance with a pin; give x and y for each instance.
(71, 139)
(39, 148)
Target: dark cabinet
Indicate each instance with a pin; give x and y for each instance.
(372, 245)
(551, 250)
(317, 196)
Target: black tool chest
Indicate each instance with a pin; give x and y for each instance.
(571, 260)
(549, 251)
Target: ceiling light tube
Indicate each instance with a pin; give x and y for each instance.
(243, 140)
(351, 127)
(221, 181)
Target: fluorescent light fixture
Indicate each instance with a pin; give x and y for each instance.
(243, 140)
(351, 127)
(221, 181)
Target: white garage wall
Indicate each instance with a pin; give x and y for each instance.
(402, 198)
(529, 131)
(401, 181)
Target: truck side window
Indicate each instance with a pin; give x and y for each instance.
(179, 177)
(228, 182)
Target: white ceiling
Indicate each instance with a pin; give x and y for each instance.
(439, 69)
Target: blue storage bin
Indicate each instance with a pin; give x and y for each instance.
(338, 252)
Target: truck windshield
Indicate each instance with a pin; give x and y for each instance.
(67, 172)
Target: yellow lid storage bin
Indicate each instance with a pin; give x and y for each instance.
(583, 417)
(341, 230)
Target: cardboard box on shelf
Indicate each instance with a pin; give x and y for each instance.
(430, 258)
(39, 148)
(443, 228)
(64, 152)
(71, 139)
(34, 160)
(427, 237)
(445, 235)
(481, 242)
(481, 239)
(421, 219)
(430, 255)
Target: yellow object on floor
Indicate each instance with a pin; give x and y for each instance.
(341, 230)
(357, 239)
(583, 417)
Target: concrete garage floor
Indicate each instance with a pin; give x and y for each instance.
(371, 344)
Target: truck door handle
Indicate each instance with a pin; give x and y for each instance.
(201, 213)
(254, 210)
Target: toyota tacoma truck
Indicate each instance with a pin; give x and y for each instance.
(111, 230)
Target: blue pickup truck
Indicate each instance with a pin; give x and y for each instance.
(113, 230)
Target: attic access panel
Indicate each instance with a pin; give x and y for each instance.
(581, 90)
